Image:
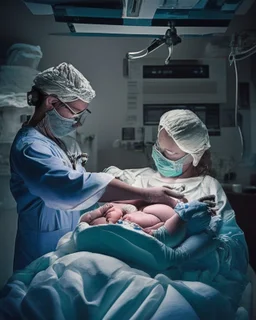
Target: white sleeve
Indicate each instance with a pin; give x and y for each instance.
(224, 208)
(128, 176)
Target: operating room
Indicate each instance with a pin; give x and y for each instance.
(213, 60)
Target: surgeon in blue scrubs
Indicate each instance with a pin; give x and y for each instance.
(51, 188)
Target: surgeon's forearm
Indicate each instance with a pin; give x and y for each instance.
(137, 203)
(117, 190)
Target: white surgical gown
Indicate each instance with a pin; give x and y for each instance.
(48, 192)
(193, 189)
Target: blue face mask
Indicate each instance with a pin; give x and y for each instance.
(59, 126)
(169, 168)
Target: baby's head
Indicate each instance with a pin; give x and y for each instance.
(114, 214)
(110, 214)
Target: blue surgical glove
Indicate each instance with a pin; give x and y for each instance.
(187, 210)
(198, 223)
(214, 226)
(170, 240)
(194, 247)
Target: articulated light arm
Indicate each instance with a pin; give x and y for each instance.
(157, 43)
(170, 39)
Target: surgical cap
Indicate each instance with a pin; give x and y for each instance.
(66, 82)
(188, 131)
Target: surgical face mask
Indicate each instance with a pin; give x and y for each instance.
(169, 168)
(59, 125)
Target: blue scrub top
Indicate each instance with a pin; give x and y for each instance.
(50, 194)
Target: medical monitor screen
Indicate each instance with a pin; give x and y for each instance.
(176, 72)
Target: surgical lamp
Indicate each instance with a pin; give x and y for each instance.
(170, 39)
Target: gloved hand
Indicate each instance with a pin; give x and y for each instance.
(214, 225)
(169, 240)
(187, 210)
(199, 222)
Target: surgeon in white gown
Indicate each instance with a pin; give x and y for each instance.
(182, 160)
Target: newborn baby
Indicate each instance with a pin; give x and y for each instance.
(168, 225)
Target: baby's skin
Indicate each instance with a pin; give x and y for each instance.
(148, 216)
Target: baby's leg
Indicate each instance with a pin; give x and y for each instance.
(161, 211)
(143, 219)
(174, 224)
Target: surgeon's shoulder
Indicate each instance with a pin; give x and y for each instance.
(211, 184)
(26, 137)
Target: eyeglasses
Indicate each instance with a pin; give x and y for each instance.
(77, 116)
(161, 150)
(187, 158)
(165, 152)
